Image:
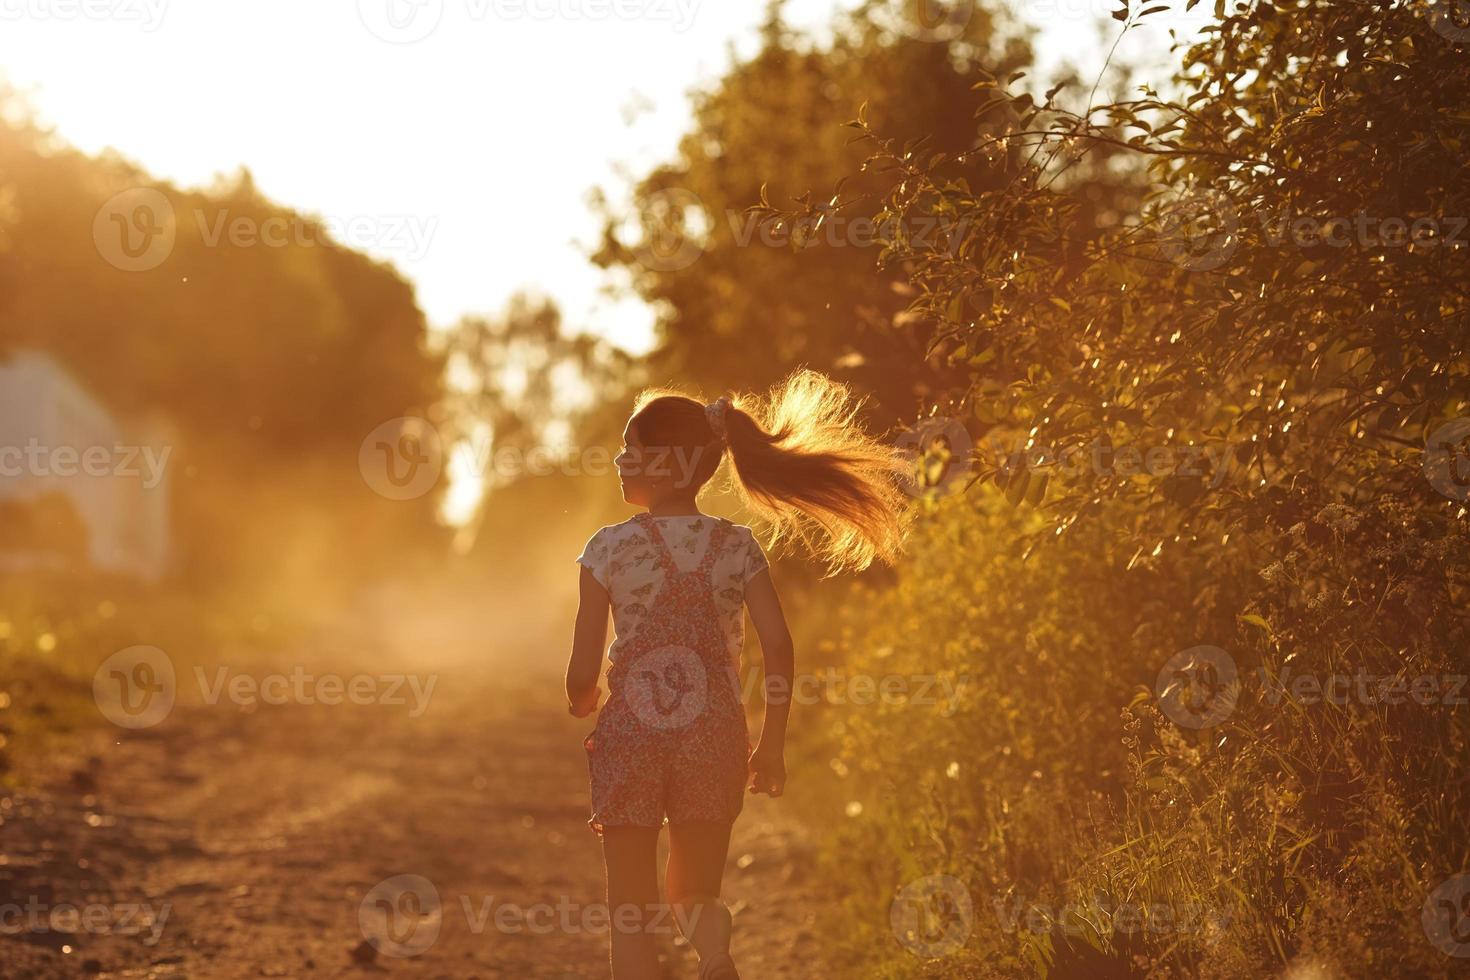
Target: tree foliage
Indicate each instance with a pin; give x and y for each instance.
(1229, 421)
(270, 361)
(743, 300)
(522, 394)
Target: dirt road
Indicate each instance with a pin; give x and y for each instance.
(242, 842)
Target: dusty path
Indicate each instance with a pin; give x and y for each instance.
(243, 843)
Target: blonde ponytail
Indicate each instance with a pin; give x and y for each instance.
(801, 461)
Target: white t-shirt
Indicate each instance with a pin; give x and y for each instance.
(625, 562)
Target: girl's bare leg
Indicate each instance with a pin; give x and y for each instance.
(631, 857)
(696, 869)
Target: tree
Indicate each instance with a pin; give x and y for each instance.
(744, 300)
(272, 355)
(1283, 327)
(522, 394)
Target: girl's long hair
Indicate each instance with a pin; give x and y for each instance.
(801, 461)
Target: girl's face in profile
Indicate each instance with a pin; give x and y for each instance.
(639, 489)
(655, 475)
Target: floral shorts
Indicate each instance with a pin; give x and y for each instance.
(647, 779)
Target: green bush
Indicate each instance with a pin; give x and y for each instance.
(1055, 785)
(1219, 452)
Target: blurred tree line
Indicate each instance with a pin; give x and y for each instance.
(270, 363)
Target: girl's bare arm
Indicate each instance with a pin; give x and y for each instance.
(767, 762)
(589, 642)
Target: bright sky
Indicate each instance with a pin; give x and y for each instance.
(455, 138)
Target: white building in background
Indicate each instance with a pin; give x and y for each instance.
(57, 439)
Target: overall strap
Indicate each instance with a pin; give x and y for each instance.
(712, 550)
(656, 538)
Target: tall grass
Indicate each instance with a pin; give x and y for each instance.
(1093, 834)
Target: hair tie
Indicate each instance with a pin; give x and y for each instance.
(715, 413)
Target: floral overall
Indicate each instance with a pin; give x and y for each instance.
(671, 742)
